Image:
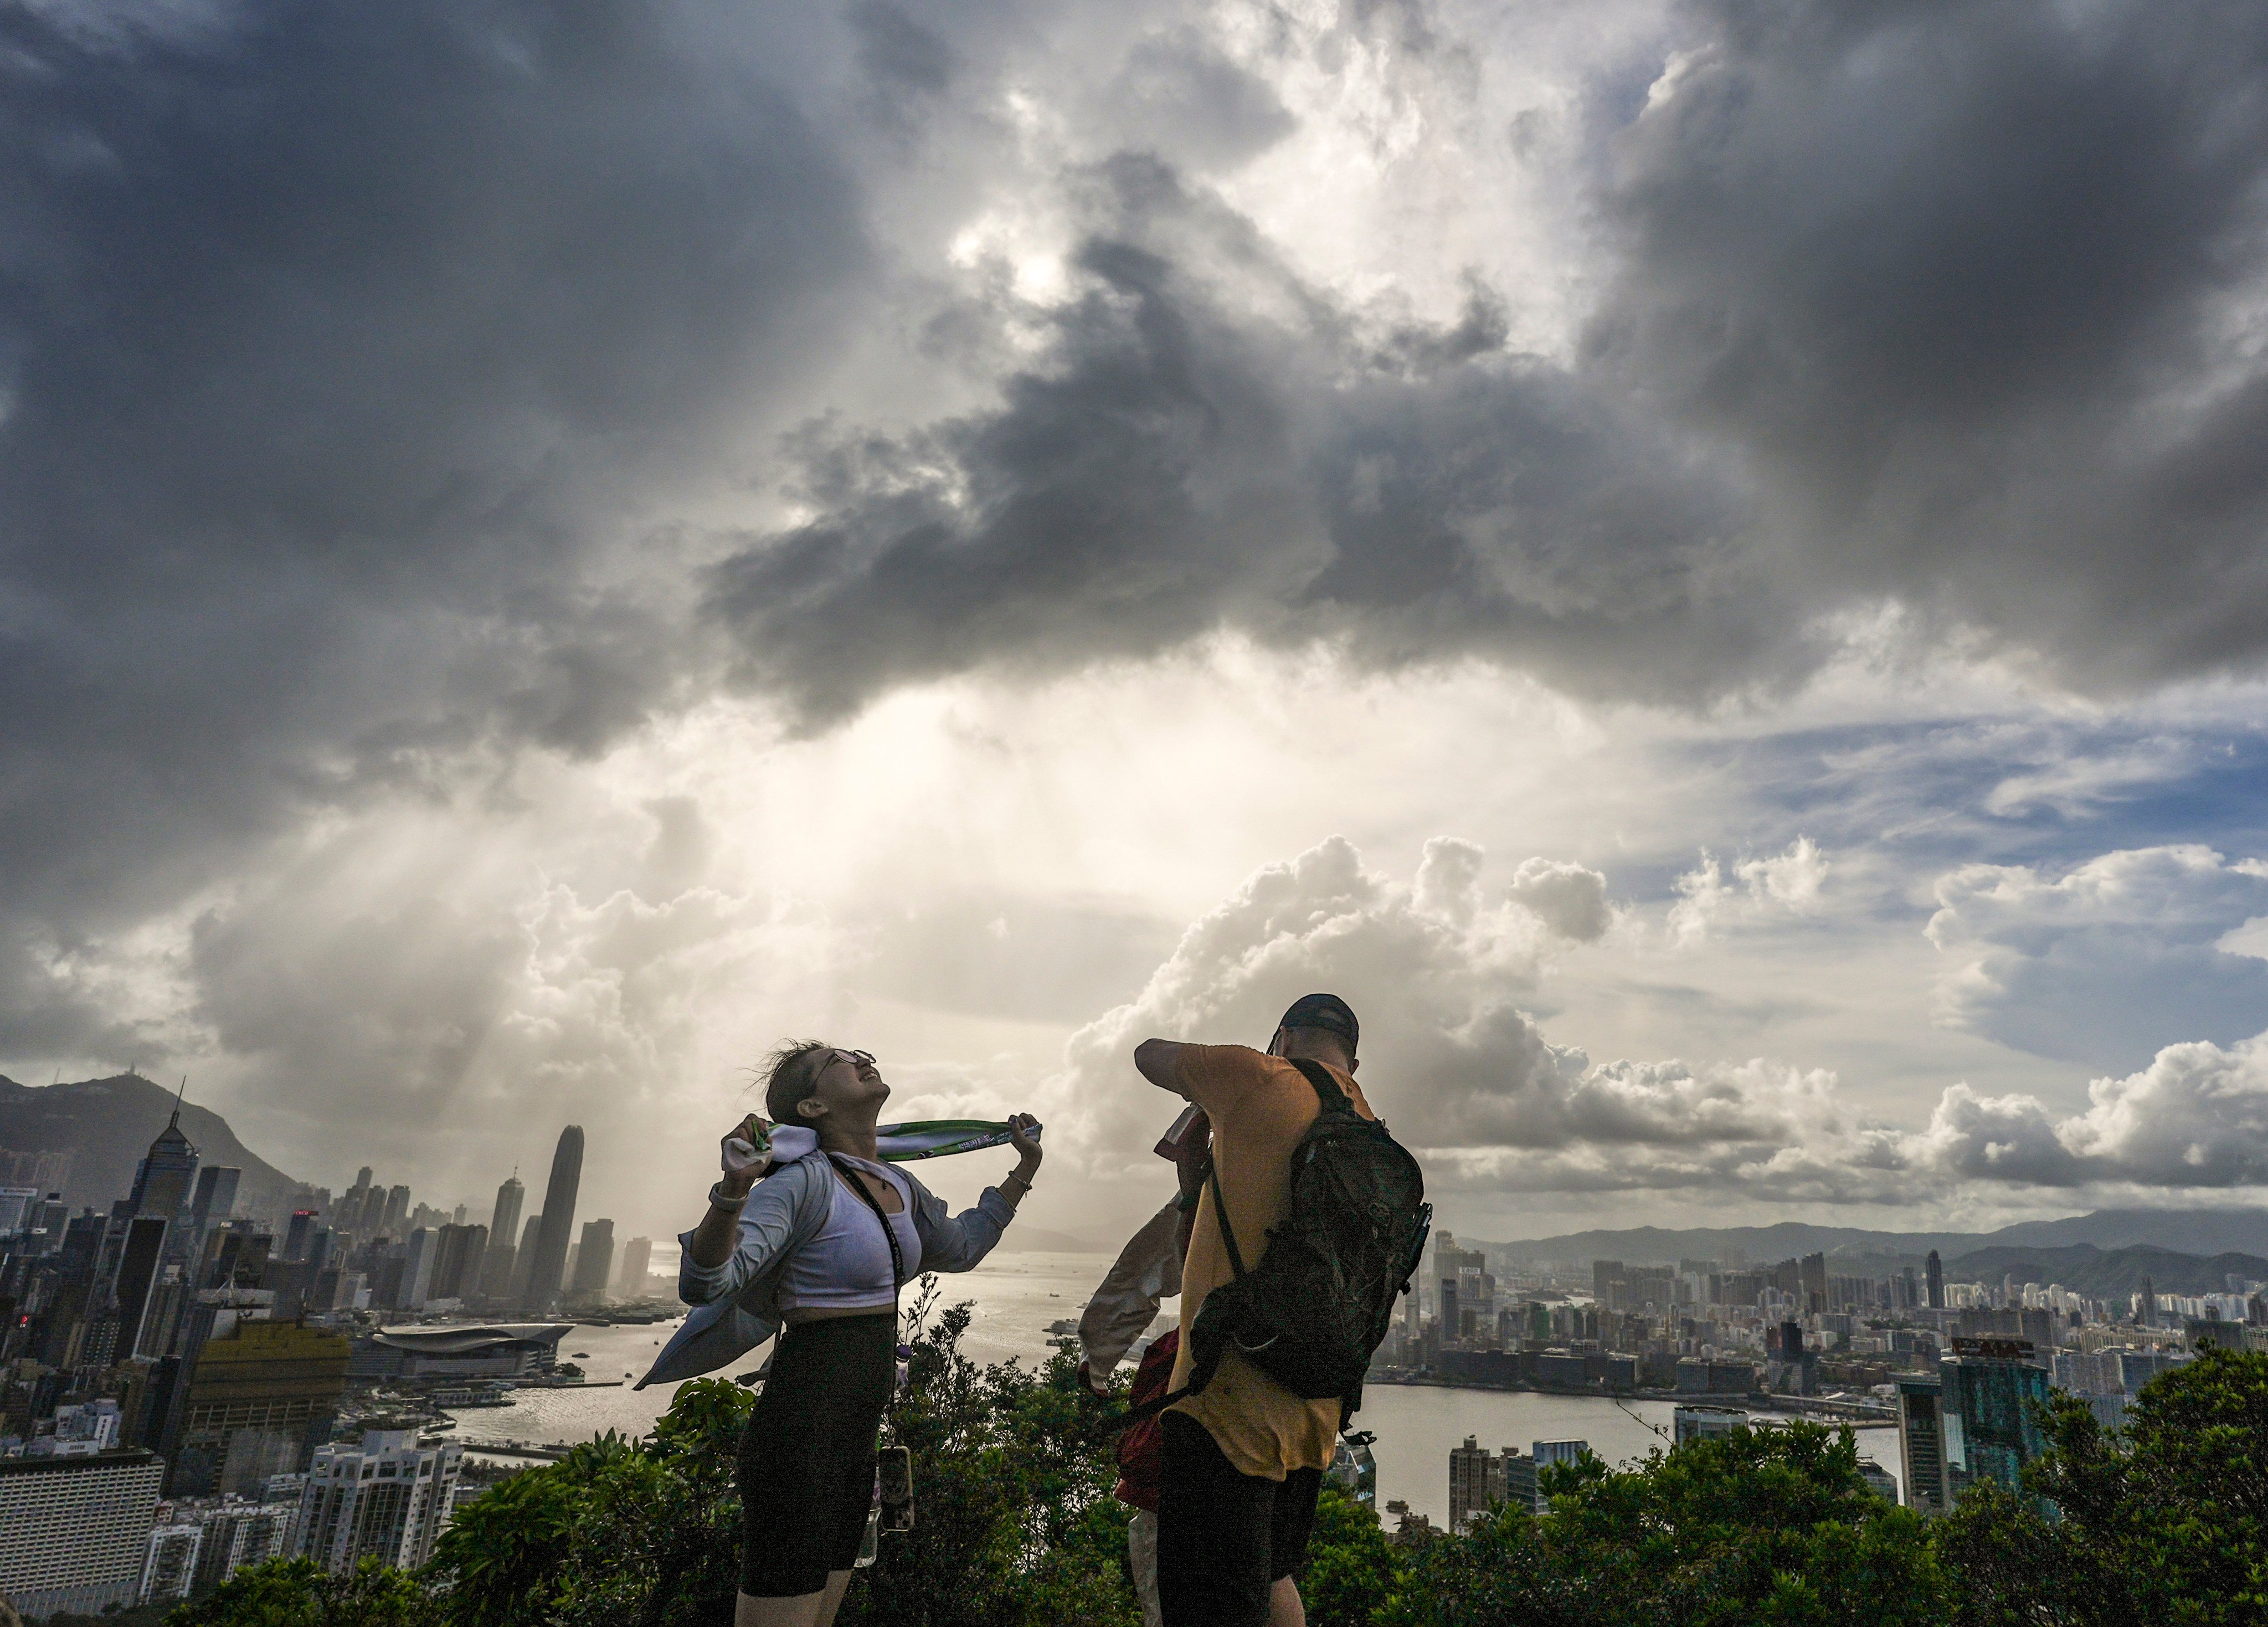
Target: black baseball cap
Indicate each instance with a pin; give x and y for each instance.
(1326, 1012)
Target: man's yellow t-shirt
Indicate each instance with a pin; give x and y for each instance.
(1260, 1105)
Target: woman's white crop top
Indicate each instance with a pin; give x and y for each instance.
(847, 1266)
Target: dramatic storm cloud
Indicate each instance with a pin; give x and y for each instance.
(544, 546)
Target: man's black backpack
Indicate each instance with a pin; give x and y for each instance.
(1319, 1302)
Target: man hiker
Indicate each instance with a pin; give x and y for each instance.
(1244, 1456)
(1126, 1303)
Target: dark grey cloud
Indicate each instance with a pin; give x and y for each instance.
(338, 346)
(1945, 307)
(1177, 96)
(1213, 444)
(1975, 290)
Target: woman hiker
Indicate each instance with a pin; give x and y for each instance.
(822, 1243)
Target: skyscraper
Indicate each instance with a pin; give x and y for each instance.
(163, 1184)
(530, 1230)
(137, 1272)
(457, 1263)
(396, 1216)
(1936, 1267)
(1921, 1442)
(417, 1269)
(504, 1225)
(637, 1263)
(594, 1264)
(544, 1271)
(215, 1197)
(1991, 1389)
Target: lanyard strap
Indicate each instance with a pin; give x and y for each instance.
(889, 1231)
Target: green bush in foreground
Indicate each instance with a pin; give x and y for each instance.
(2163, 1521)
(2166, 1521)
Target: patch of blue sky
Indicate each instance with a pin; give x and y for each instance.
(1933, 795)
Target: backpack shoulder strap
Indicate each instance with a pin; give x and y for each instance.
(1220, 1213)
(1326, 1088)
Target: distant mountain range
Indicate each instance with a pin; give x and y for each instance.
(2108, 1274)
(2203, 1232)
(104, 1127)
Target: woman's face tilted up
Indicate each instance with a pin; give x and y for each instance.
(848, 1089)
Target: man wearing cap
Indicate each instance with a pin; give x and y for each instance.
(1244, 1457)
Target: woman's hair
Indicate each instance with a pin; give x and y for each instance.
(789, 1073)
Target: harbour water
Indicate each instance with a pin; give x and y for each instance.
(1016, 1296)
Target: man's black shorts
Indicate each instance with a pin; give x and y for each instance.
(1224, 1537)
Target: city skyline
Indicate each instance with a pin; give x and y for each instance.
(287, 1385)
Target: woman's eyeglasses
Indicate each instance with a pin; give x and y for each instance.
(855, 1058)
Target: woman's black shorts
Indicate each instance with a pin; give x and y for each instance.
(807, 1455)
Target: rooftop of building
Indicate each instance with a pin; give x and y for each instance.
(123, 1457)
(460, 1340)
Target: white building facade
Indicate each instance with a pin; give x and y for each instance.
(385, 1499)
(170, 1570)
(76, 1530)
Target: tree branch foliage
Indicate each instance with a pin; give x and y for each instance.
(2166, 1520)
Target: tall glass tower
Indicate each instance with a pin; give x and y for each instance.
(504, 1225)
(164, 1184)
(550, 1262)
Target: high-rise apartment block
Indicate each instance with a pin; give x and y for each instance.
(1476, 1481)
(236, 1535)
(1700, 1423)
(1935, 1268)
(75, 1531)
(259, 1401)
(1813, 1275)
(1879, 1480)
(594, 1260)
(1550, 1452)
(637, 1265)
(386, 1498)
(1479, 1477)
(19, 1208)
(169, 1568)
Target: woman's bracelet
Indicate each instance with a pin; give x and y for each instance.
(717, 1200)
(1020, 1178)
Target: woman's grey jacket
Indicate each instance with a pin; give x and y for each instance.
(737, 1304)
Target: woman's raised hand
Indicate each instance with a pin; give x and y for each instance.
(746, 1153)
(1021, 1127)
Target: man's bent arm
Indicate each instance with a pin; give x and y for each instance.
(1159, 1061)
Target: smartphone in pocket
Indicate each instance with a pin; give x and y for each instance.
(894, 1479)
